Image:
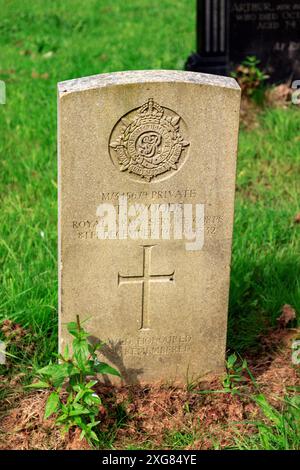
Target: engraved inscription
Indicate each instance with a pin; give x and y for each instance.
(145, 280)
(148, 142)
(166, 350)
(178, 194)
(267, 15)
(165, 345)
(85, 229)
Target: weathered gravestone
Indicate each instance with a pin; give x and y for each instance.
(146, 199)
(228, 31)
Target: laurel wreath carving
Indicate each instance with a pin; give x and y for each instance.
(151, 125)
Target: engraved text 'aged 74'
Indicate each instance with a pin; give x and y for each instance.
(147, 142)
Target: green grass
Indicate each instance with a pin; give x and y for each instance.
(71, 39)
(278, 430)
(64, 40)
(265, 260)
(178, 440)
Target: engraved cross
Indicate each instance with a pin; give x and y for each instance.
(145, 281)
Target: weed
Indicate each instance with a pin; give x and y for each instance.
(234, 375)
(249, 76)
(278, 430)
(72, 397)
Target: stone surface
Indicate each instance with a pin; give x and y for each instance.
(155, 293)
(270, 31)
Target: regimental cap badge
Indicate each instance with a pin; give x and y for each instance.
(147, 142)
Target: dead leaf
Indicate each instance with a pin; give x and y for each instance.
(75, 443)
(7, 72)
(297, 219)
(279, 96)
(25, 52)
(288, 314)
(35, 74)
(103, 57)
(249, 113)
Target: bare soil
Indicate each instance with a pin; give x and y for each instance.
(147, 416)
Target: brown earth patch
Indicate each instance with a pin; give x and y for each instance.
(146, 416)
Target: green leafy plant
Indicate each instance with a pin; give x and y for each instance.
(234, 374)
(71, 381)
(249, 75)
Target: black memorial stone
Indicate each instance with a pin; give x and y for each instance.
(228, 31)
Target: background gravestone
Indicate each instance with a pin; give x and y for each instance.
(228, 31)
(158, 137)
